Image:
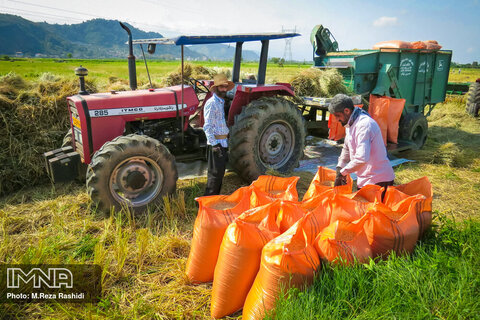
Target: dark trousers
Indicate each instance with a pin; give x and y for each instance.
(383, 184)
(217, 162)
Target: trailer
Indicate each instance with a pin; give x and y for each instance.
(418, 76)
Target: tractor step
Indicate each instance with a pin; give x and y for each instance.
(62, 164)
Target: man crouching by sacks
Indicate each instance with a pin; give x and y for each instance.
(216, 130)
(363, 152)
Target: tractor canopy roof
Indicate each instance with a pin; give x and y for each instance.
(229, 38)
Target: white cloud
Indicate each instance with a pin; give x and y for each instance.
(385, 22)
(470, 50)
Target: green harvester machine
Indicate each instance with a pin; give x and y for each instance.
(418, 76)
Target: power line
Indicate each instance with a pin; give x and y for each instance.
(53, 8)
(41, 15)
(80, 13)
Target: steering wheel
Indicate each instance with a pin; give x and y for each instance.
(198, 86)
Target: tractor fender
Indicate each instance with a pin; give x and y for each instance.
(245, 94)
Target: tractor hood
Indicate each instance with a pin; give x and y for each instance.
(151, 100)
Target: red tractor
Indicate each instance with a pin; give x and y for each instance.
(130, 140)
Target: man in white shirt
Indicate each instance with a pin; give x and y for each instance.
(363, 151)
(216, 130)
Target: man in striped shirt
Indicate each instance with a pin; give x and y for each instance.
(216, 130)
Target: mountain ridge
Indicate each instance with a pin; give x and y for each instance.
(96, 38)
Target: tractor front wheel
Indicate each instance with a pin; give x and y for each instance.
(269, 133)
(132, 171)
(473, 99)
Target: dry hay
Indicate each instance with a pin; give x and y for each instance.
(193, 71)
(449, 154)
(34, 119)
(318, 83)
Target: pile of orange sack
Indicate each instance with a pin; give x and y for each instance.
(398, 44)
(262, 239)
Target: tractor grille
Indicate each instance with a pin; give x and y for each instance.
(77, 129)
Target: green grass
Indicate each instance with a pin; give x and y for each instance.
(440, 280)
(465, 75)
(143, 257)
(101, 70)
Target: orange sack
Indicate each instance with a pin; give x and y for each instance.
(239, 258)
(389, 230)
(215, 213)
(433, 45)
(287, 261)
(394, 44)
(340, 207)
(288, 213)
(278, 187)
(335, 129)
(387, 112)
(323, 181)
(259, 198)
(314, 222)
(311, 204)
(428, 44)
(395, 109)
(419, 45)
(369, 193)
(378, 109)
(344, 242)
(423, 187)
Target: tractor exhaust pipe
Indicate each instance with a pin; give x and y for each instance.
(132, 70)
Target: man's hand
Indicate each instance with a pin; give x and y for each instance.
(340, 180)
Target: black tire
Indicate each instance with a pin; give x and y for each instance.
(413, 127)
(473, 99)
(269, 133)
(145, 168)
(67, 140)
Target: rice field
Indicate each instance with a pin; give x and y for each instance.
(143, 257)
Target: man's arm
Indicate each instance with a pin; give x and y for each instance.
(362, 154)
(208, 126)
(344, 156)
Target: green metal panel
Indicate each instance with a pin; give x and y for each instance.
(440, 76)
(421, 75)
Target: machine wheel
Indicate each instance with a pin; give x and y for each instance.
(269, 133)
(473, 99)
(414, 127)
(67, 140)
(131, 171)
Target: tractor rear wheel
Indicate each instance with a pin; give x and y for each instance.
(132, 171)
(413, 127)
(269, 133)
(473, 99)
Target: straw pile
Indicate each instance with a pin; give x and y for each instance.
(34, 119)
(318, 83)
(193, 71)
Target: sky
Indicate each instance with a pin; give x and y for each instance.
(354, 24)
